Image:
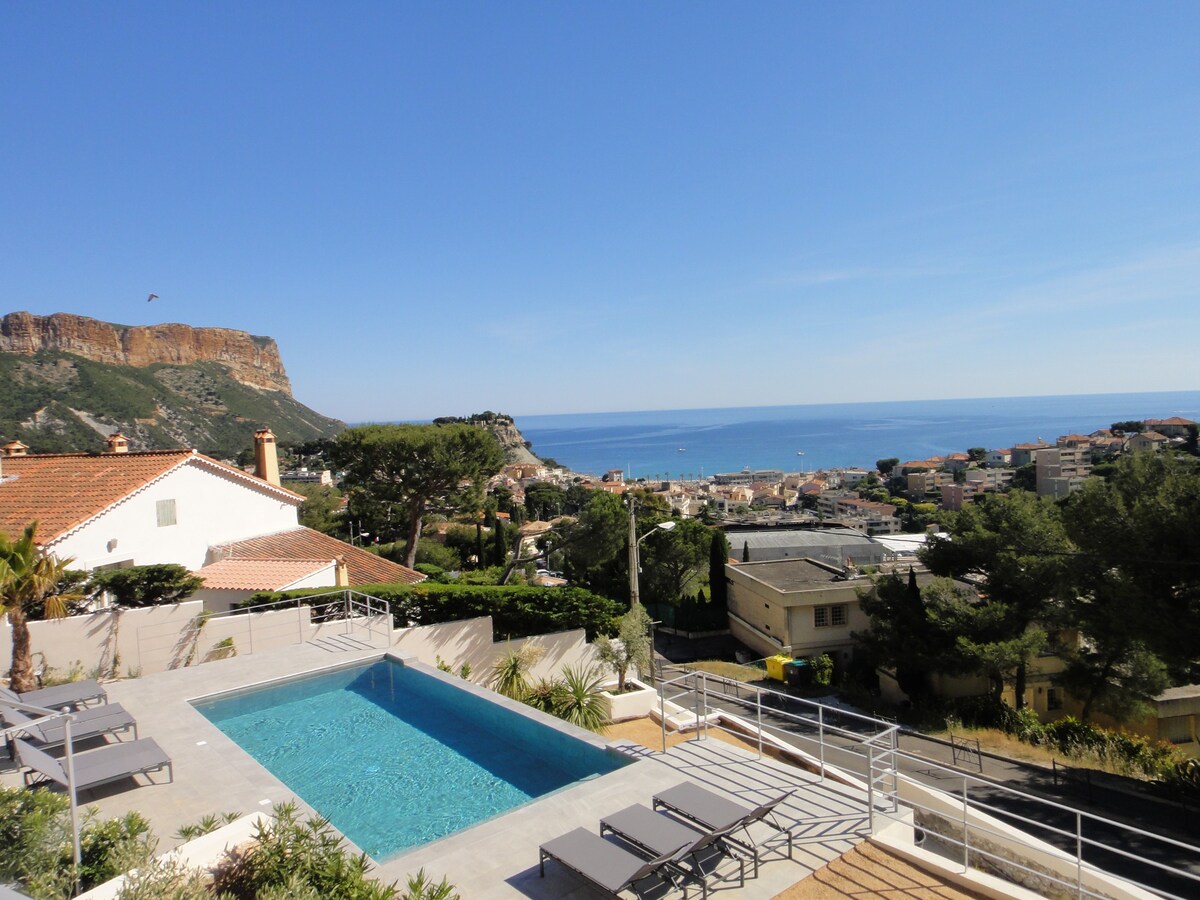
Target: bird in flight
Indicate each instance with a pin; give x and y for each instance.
(152, 297)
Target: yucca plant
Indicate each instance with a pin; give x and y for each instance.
(579, 701)
(510, 674)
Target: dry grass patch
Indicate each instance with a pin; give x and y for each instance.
(727, 670)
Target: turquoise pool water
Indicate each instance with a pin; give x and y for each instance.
(395, 758)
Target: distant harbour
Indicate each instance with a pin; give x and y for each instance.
(695, 443)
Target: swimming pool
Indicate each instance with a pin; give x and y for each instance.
(394, 757)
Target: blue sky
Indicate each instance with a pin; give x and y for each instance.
(565, 207)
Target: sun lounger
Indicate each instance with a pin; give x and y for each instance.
(96, 767)
(604, 864)
(717, 813)
(72, 694)
(655, 833)
(93, 721)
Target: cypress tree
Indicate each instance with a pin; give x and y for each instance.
(718, 556)
(480, 561)
(499, 550)
(745, 551)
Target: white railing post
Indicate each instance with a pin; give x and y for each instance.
(821, 737)
(870, 789)
(662, 712)
(250, 630)
(76, 851)
(758, 697)
(1078, 854)
(966, 830)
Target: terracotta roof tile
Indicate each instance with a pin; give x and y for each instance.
(307, 544)
(259, 574)
(64, 490)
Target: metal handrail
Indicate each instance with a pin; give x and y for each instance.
(883, 767)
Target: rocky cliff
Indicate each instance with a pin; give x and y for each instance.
(251, 360)
(66, 382)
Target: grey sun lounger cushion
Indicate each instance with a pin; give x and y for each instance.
(603, 863)
(73, 693)
(96, 767)
(656, 833)
(89, 722)
(711, 810)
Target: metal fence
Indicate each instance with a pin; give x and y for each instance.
(980, 822)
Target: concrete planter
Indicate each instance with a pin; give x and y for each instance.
(633, 704)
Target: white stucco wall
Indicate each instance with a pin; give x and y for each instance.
(211, 507)
(470, 642)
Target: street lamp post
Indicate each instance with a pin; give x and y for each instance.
(634, 542)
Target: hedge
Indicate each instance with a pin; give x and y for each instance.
(517, 610)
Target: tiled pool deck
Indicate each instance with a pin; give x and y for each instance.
(498, 858)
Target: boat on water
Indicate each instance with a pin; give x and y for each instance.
(681, 449)
(799, 452)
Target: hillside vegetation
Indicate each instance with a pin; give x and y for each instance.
(59, 402)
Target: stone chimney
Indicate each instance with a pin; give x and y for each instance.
(14, 448)
(266, 457)
(117, 443)
(342, 579)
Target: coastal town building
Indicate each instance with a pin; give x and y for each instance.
(1147, 440)
(996, 479)
(831, 545)
(998, 458)
(748, 476)
(926, 483)
(1174, 427)
(1062, 470)
(307, 476)
(799, 607)
(1024, 454)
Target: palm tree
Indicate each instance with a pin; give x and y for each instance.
(28, 578)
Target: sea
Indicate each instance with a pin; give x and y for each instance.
(693, 444)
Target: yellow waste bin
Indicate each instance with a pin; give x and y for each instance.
(775, 666)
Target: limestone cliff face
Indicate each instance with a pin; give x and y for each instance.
(252, 360)
(512, 442)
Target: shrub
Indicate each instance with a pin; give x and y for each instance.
(164, 879)
(421, 887)
(822, 669)
(305, 858)
(1130, 753)
(112, 847)
(34, 832)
